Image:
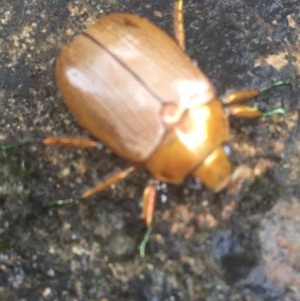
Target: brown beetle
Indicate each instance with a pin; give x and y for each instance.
(133, 87)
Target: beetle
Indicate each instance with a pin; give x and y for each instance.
(134, 88)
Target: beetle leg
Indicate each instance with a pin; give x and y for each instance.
(245, 111)
(148, 201)
(14, 145)
(142, 246)
(113, 179)
(71, 142)
(179, 23)
(239, 96)
(78, 143)
(56, 141)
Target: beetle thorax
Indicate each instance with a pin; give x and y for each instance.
(188, 142)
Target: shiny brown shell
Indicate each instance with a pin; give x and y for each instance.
(122, 77)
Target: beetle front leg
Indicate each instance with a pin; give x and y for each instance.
(239, 110)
